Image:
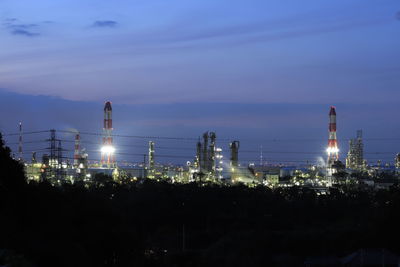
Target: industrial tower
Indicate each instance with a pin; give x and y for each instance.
(151, 164)
(332, 150)
(198, 159)
(234, 160)
(355, 156)
(207, 154)
(77, 150)
(107, 151)
(211, 154)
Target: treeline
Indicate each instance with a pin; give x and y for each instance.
(151, 223)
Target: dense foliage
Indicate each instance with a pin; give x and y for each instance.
(161, 224)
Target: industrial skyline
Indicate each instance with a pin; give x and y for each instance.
(263, 77)
(206, 161)
(207, 150)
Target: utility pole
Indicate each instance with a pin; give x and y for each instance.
(52, 161)
(144, 165)
(20, 157)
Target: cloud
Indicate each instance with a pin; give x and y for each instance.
(23, 26)
(21, 29)
(10, 20)
(267, 31)
(24, 32)
(105, 24)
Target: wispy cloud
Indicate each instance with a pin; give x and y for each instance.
(24, 29)
(105, 24)
(24, 32)
(192, 34)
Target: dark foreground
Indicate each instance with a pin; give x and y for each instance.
(157, 224)
(160, 224)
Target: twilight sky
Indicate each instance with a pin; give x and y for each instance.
(246, 69)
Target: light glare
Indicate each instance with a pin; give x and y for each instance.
(108, 149)
(332, 150)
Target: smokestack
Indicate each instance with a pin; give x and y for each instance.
(333, 151)
(151, 164)
(77, 150)
(151, 155)
(234, 146)
(234, 154)
(34, 157)
(107, 151)
(212, 152)
(205, 152)
(198, 155)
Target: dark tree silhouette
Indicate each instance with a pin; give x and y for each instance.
(12, 174)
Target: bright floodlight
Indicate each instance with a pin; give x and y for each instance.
(332, 150)
(108, 149)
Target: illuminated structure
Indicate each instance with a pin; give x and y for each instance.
(211, 155)
(397, 161)
(151, 160)
(355, 156)
(107, 151)
(234, 146)
(204, 160)
(77, 150)
(198, 159)
(332, 150)
(218, 163)
(208, 159)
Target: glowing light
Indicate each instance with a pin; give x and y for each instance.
(107, 149)
(332, 150)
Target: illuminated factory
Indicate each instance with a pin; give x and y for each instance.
(208, 165)
(332, 150)
(355, 156)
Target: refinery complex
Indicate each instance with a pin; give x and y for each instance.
(207, 165)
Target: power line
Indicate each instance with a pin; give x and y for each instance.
(133, 136)
(27, 142)
(196, 139)
(193, 149)
(33, 132)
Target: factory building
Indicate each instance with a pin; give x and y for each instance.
(355, 156)
(208, 158)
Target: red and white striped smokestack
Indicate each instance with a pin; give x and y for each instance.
(77, 150)
(333, 151)
(107, 151)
